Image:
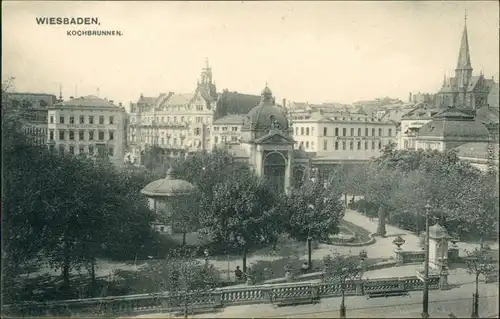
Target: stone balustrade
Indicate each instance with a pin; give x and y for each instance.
(410, 257)
(220, 297)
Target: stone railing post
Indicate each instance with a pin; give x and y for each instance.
(266, 294)
(359, 288)
(315, 291)
(218, 298)
(401, 283)
(443, 278)
(399, 256)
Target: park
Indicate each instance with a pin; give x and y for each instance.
(85, 238)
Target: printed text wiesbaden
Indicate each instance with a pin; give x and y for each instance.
(68, 20)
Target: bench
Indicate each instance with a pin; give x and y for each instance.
(387, 293)
(283, 301)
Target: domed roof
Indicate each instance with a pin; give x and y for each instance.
(437, 231)
(169, 186)
(266, 115)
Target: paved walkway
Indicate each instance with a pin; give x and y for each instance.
(382, 248)
(457, 301)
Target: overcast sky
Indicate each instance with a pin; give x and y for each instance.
(306, 51)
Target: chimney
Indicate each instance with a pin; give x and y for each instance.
(110, 101)
(284, 103)
(409, 97)
(71, 97)
(120, 104)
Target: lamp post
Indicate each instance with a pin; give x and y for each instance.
(425, 301)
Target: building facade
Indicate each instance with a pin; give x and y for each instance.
(174, 123)
(87, 125)
(411, 123)
(341, 138)
(34, 107)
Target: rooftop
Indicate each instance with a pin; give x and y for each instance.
(89, 101)
(452, 123)
(236, 119)
(169, 186)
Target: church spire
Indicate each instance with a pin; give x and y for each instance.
(464, 54)
(444, 79)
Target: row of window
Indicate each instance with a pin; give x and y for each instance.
(224, 139)
(196, 132)
(90, 149)
(225, 129)
(182, 119)
(151, 139)
(351, 145)
(81, 120)
(307, 131)
(81, 135)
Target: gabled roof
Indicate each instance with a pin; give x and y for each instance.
(206, 96)
(180, 98)
(148, 100)
(89, 101)
(274, 137)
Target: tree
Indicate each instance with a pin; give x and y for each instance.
(236, 215)
(479, 262)
(313, 212)
(183, 277)
(185, 217)
(342, 269)
(378, 189)
(475, 204)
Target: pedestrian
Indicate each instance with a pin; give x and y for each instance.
(238, 273)
(304, 268)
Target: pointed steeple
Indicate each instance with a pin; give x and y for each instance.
(444, 79)
(463, 62)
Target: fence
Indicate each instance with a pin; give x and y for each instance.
(221, 297)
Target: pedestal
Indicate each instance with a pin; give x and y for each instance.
(398, 256)
(443, 279)
(288, 276)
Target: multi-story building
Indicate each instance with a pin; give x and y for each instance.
(34, 110)
(450, 129)
(464, 90)
(345, 138)
(89, 125)
(174, 123)
(227, 130)
(411, 123)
